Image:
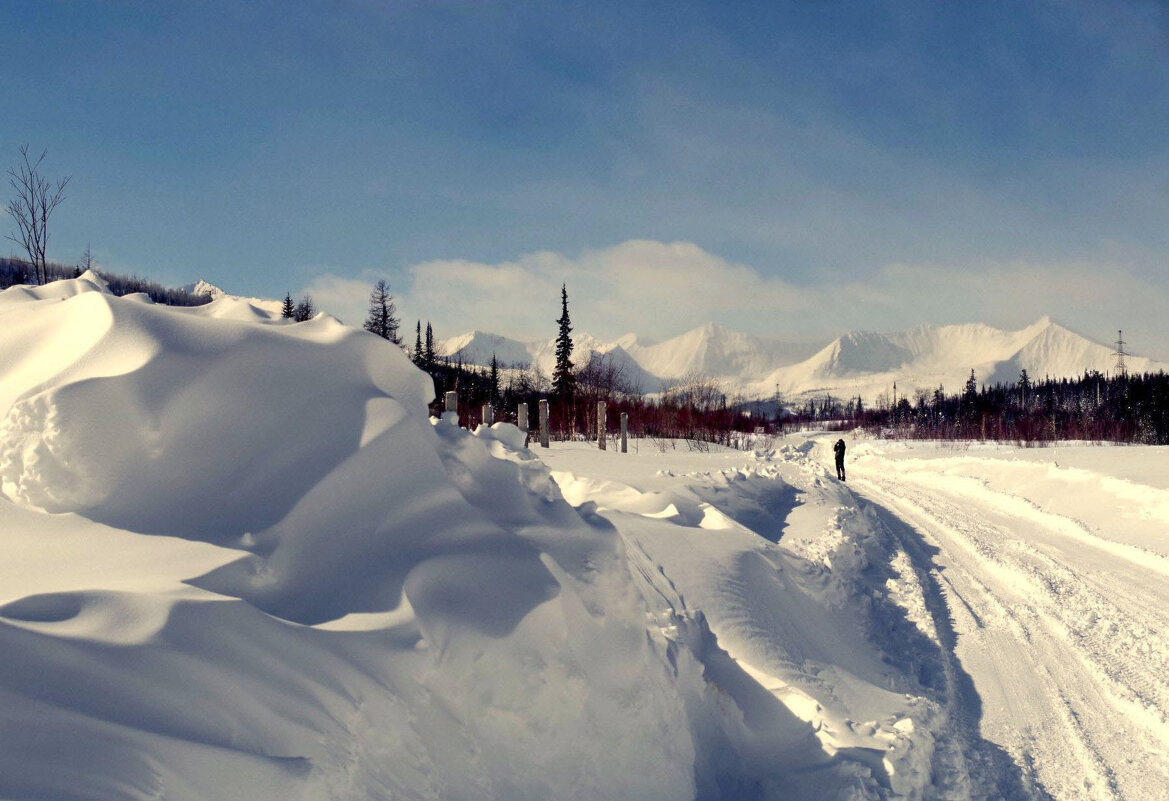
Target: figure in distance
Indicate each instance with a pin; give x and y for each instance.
(838, 449)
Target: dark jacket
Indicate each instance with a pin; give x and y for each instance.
(838, 448)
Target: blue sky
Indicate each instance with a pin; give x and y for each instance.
(844, 165)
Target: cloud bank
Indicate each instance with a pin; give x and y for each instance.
(659, 289)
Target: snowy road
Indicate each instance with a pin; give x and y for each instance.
(1059, 620)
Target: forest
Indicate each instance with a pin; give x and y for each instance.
(18, 271)
(1094, 407)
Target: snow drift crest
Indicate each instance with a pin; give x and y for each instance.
(459, 630)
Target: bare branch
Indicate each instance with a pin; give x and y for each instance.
(36, 200)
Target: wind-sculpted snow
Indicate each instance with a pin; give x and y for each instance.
(361, 603)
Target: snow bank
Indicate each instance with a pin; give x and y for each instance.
(240, 561)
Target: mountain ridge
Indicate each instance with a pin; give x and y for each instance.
(865, 363)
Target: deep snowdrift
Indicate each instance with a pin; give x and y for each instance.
(422, 615)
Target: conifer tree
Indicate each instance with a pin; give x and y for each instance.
(428, 359)
(288, 310)
(417, 356)
(494, 385)
(304, 310)
(382, 320)
(971, 390)
(563, 379)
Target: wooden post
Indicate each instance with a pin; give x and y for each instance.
(624, 432)
(522, 417)
(601, 425)
(543, 423)
(488, 414)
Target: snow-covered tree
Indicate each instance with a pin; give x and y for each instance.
(382, 320)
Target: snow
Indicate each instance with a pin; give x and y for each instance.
(264, 306)
(859, 363)
(238, 560)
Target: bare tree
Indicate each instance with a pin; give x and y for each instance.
(86, 264)
(696, 391)
(604, 377)
(36, 199)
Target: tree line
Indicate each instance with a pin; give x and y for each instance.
(1129, 408)
(18, 271)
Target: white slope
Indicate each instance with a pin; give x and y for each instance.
(202, 287)
(716, 351)
(239, 561)
(477, 347)
(925, 357)
(858, 363)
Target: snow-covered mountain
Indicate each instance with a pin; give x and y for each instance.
(202, 287)
(925, 357)
(858, 363)
(709, 349)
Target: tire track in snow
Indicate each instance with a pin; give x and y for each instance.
(1030, 634)
(967, 765)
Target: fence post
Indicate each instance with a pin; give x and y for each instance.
(488, 414)
(543, 423)
(451, 406)
(522, 417)
(624, 432)
(601, 425)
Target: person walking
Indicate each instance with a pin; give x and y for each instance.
(838, 449)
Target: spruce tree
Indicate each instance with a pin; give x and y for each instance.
(428, 358)
(381, 319)
(494, 385)
(304, 310)
(289, 309)
(417, 356)
(971, 390)
(563, 379)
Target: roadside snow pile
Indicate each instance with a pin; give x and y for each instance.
(237, 560)
(804, 595)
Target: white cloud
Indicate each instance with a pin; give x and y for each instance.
(651, 288)
(1091, 298)
(659, 289)
(344, 298)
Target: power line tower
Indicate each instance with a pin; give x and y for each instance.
(1121, 368)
